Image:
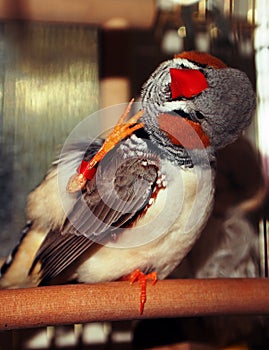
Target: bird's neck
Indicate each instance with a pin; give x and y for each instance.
(177, 153)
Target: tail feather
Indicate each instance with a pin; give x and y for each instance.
(15, 269)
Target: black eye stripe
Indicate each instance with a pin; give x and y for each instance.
(194, 117)
(182, 114)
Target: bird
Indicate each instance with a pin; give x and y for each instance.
(138, 199)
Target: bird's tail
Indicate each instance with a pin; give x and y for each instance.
(14, 272)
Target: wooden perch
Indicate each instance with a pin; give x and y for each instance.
(69, 304)
(111, 13)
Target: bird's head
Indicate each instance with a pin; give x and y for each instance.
(197, 91)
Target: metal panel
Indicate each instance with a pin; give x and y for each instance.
(49, 82)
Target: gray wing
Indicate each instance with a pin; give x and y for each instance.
(113, 199)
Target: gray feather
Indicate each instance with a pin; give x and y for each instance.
(120, 189)
(228, 105)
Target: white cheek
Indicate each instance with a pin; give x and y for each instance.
(174, 105)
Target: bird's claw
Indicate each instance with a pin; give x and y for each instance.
(142, 278)
(119, 132)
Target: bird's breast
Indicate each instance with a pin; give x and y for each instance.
(164, 234)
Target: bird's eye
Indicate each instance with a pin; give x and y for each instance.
(199, 115)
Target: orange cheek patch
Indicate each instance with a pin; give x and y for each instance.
(183, 132)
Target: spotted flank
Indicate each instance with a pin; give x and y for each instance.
(14, 251)
(152, 188)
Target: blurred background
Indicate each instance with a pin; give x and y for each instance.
(61, 61)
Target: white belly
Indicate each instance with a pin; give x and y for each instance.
(168, 230)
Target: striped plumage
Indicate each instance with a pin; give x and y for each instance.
(151, 195)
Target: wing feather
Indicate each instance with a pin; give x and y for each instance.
(115, 197)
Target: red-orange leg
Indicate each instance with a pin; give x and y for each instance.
(119, 132)
(142, 278)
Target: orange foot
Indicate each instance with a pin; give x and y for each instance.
(139, 276)
(119, 132)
